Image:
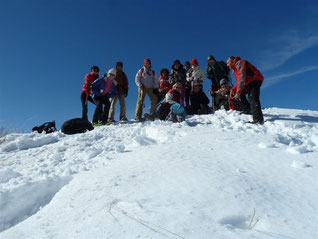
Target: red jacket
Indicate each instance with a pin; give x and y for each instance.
(164, 86)
(88, 80)
(245, 73)
(173, 97)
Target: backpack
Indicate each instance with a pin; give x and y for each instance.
(75, 126)
(48, 127)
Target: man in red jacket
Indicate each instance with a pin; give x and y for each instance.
(86, 92)
(248, 81)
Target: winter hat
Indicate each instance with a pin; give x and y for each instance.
(112, 71)
(211, 58)
(223, 81)
(187, 63)
(194, 61)
(147, 60)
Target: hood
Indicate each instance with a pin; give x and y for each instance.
(236, 59)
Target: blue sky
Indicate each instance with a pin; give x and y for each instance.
(47, 47)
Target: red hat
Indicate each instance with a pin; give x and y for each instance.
(194, 61)
(147, 60)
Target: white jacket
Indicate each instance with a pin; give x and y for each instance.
(146, 78)
(195, 75)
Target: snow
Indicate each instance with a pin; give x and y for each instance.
(201, 178)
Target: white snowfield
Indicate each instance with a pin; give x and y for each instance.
(201, 178)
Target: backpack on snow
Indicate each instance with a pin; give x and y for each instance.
(75, 126)
(48, 127)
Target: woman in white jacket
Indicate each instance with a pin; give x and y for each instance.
(196, 74)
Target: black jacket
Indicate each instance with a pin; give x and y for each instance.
(177, 76)
(217, 72)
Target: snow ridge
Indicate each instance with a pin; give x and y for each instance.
(201, 178)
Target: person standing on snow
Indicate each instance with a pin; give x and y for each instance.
(103, 89)
(146, 81)
(196, 74)
(216, 71)
(187, 67)
(248, 81)
(178, 74)
(86, 91)
(122, 87)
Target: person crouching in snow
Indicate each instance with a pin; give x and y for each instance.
(199, 101)
(164, 85)
(103, 89)
(249, 80)
(221, 96)
(146, 81)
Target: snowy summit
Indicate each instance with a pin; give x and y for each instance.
(211, 176)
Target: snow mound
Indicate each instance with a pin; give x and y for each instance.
(20, 203)
(201, 178)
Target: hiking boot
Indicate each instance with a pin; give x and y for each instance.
(111, 120)
(149, 117)
(139, 118)
(256, 122)
(123, 119)
(96, 124)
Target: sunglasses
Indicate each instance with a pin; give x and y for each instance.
(178, 87)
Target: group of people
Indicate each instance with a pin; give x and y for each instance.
(176, 93)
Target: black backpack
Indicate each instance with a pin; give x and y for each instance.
(75, 126)
(48, 127)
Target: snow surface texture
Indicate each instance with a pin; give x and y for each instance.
(201, 178)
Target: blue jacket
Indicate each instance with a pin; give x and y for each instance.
(102, 87)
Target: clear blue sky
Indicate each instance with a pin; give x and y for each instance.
(47, 47)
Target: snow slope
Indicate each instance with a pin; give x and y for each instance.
(198, 179)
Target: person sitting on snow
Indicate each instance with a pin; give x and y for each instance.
(103, 89)
(172, 98)
(199, 101)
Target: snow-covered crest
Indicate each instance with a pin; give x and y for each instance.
(198, 179)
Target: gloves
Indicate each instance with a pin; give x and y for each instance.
(126, 92)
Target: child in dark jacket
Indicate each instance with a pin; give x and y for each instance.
(103, 89)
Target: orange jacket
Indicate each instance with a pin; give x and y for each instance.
(245, 73)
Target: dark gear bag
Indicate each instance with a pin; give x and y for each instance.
(75, 126)
(48, 127)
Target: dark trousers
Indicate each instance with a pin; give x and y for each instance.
(253, 92)
(187, 95)
(84, 104)
(99, 113)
